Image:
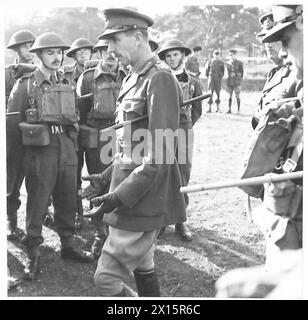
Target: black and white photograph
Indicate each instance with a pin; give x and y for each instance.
(152, 150)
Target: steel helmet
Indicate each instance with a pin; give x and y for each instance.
(48, 40)
(103, 43)
(80, 43)
(153, 44)
(21, 37)
(172, 45)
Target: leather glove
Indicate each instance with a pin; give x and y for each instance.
(99, 184)
(103, 204)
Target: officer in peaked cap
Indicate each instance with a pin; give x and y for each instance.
(280, 81)
(286, 17)
(214, 71)
(266, 21)
(120, 20)
(235, 71)
(144, 191)
(286, 228)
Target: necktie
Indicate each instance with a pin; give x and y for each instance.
(53, 79)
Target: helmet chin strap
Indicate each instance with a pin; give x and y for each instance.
(179, 69)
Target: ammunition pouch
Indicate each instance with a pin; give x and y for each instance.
(34, 134)
(283, 198)
(58, 105)
(55, 104)
(88, 136)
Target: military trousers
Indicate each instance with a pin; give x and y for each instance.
(123, 252)
(51, 170)
(184, 154)
(280, 232)
(214, 86)
(15, 177)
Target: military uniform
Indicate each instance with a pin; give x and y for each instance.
(214, 71)
(234, 80)
(280, 217)
(14, 150)
(148, 190)
(47, 128)
(280, 83)
(49, 169)
(189, 115)
(192, 66)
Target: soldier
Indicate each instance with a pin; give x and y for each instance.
(214, 71)
(80, 51)
(45, 100)
(280, 216)
(280, 81)
(173, 53)
(192, 64)
(153, 44)
(234, 80)
(21, 42)
(104, 81)
(144, 194)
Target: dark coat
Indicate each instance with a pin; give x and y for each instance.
(149, 191)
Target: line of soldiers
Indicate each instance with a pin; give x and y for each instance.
(54, 119)
(280, 216)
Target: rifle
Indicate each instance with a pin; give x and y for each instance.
(125, 123)
(271, 177)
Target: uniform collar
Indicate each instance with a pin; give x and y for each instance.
(41, 77)
(100, 71)
(145, 66)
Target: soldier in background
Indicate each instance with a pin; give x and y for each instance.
(235, 76)
(50, 154)
(104, 81)
(173, 53)
(144, 194)
(21, 42)
(214, 71)
(192, 64)
(80, 51)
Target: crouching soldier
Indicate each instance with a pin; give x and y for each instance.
(48, 130)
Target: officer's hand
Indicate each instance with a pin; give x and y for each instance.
(99, 183)
(103, 204)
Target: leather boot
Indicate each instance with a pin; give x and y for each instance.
(147, 283)
(209, 110)
(238, 100)
(97, 245)
(230, 104)
(76, 254)
(12, 231)
(32, 267)
(79, 215)
(217, 107)
(183, 231)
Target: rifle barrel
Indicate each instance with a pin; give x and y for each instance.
(184, 103)
(12, 113)
(271, 177)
